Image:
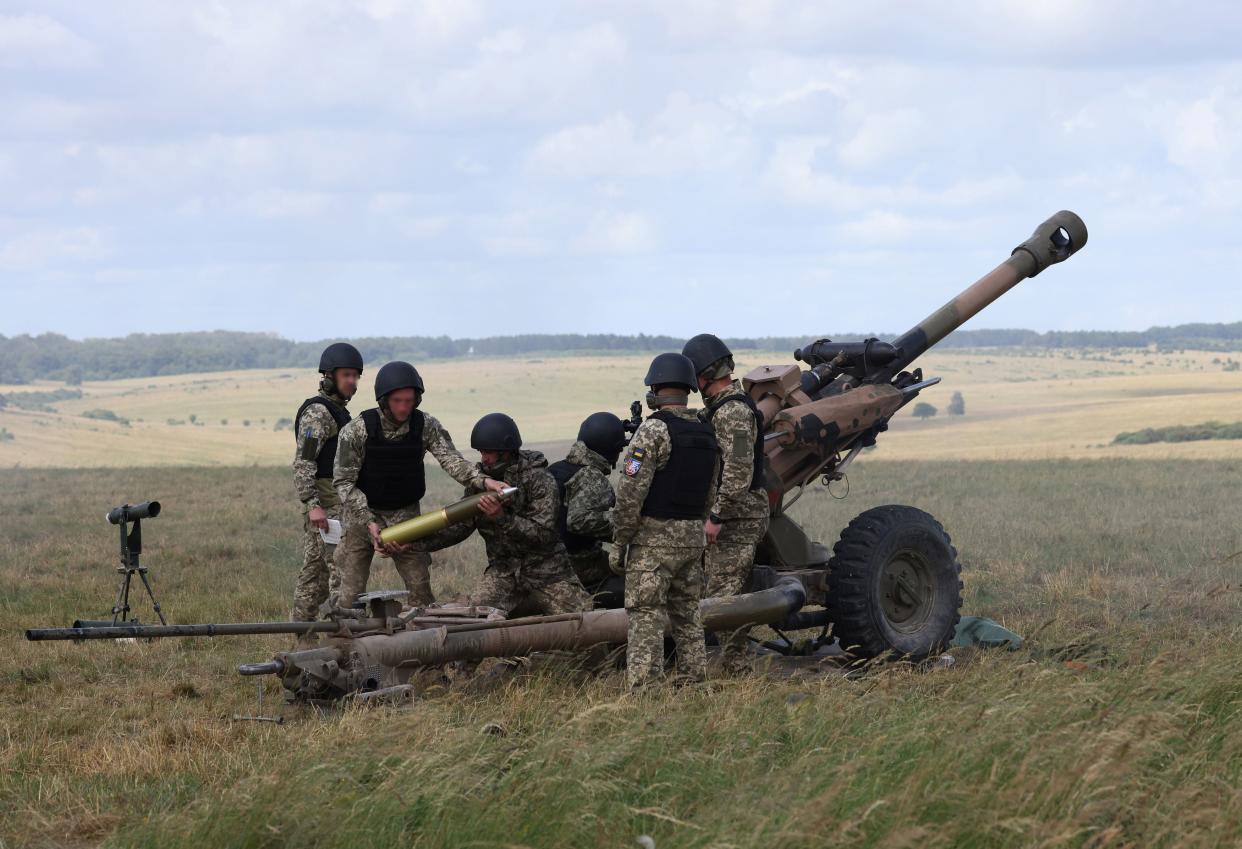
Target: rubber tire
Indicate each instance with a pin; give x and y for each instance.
(870, 541)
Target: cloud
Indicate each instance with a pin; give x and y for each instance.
(882, 136)
(618, 232)
(797, 172)
(1204, 136)
(390, 203)
(36, 249)
(517, 149)
(521, 74)
(285, 204)
(994, 32)
(37, 41)
(684, 136)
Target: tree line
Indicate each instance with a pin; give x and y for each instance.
(51, 356)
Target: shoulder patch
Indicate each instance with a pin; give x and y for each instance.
(310, 446)
(635, 461)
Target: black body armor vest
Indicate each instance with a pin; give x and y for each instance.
(681, 488)
(562, 471)
(392, 474)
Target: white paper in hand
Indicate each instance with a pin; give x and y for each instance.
(332, 536)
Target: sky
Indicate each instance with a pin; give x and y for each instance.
(325, 168)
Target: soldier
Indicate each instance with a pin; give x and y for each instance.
(584, 520)
(739, 513)
(526, 560)
(662, 500)
(315, 428)
(379, 477)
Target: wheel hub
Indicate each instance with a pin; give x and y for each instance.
(907, 592)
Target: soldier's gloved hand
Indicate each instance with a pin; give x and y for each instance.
(318, 517)
(616, 560)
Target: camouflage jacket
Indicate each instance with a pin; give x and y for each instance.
(736, 430)
(589, 498)
(525, 536)
(314, 429)
(351, 450)
(633, 528)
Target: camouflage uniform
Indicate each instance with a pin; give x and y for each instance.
(663, 565)
(743, 511)
(357, 550)
(526, 560)
(318, 577)
(589, 500)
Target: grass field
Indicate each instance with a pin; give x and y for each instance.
(1117, 725)
(1019, 405)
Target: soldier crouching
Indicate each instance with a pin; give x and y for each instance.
(527, 565)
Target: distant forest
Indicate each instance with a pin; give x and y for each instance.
(51, 356)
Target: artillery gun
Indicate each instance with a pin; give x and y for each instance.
(891, 584)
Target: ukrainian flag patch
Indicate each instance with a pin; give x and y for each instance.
(635, 462)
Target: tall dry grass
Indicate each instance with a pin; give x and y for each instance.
(1117, 725)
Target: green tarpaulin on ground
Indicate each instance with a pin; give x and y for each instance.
(982, 632)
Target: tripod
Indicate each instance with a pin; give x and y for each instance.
(131, 548)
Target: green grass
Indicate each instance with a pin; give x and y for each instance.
(1117, 725)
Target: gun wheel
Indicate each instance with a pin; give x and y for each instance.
(894, 584)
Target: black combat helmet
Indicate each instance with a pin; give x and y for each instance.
(495, 432)
(705, 349)
(340, 355)
(397, 375)
(672, 370)
(604, 434)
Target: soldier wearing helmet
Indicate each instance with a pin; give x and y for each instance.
(527, 565)
(663, 497)
(315, 429)
(739, 512)
(584, 520)
(379, 477)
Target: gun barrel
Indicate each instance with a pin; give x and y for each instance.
(228, 629)
(427, 524)
(1056, 240)
(506, 638)
(567, 632)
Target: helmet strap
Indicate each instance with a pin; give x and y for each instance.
(656, 401)
(497, 471)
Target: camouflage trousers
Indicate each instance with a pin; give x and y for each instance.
(663, 585)
(549, 587)
(353, 562)
(591, 567)
(318, 577)
(727, 565)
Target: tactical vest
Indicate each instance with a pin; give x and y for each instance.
(392, 474)
(327, 451)
(681, 488)
(756, 472)
(562, 472)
